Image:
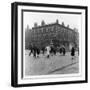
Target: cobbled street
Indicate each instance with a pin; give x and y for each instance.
(56, 64)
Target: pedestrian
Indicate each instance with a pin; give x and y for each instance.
(43, 50)
(73, 52)
(37, 51)
(48, 51)
(31, 50)
(60, 50)
(52, 50)
(64, 51)
(34, 51)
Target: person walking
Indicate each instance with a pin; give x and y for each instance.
(64, 51)
(73, 52)
(60, 50)
(38, 52)
(31, 50)
(48, 51)
(34, 51)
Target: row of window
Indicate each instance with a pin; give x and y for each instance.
(45, 29)
(52, 31)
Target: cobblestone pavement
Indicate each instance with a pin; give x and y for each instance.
(56, 64)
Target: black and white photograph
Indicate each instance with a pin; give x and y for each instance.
(51, 44)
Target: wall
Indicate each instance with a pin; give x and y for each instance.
(5, 46)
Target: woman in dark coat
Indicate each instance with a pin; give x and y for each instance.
(37, 51)
(73, 52)
(64, 51)
(60, 50)
(34, 51)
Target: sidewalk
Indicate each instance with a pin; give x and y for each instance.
(54, 65)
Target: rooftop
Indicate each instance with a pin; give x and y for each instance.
(51, 24)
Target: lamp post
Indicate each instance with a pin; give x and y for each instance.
(51, 43)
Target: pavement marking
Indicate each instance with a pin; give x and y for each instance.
(58, 69)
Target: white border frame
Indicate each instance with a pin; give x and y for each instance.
(82, 45)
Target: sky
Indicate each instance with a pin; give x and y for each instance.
(74, 20)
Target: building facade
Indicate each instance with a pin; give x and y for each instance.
(58, 34)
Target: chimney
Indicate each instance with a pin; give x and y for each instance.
(57, 21)
(68, 26)
(35, 25)
(42, 23)
(63, 24)
(75, 29)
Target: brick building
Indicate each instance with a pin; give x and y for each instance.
(58, 34)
